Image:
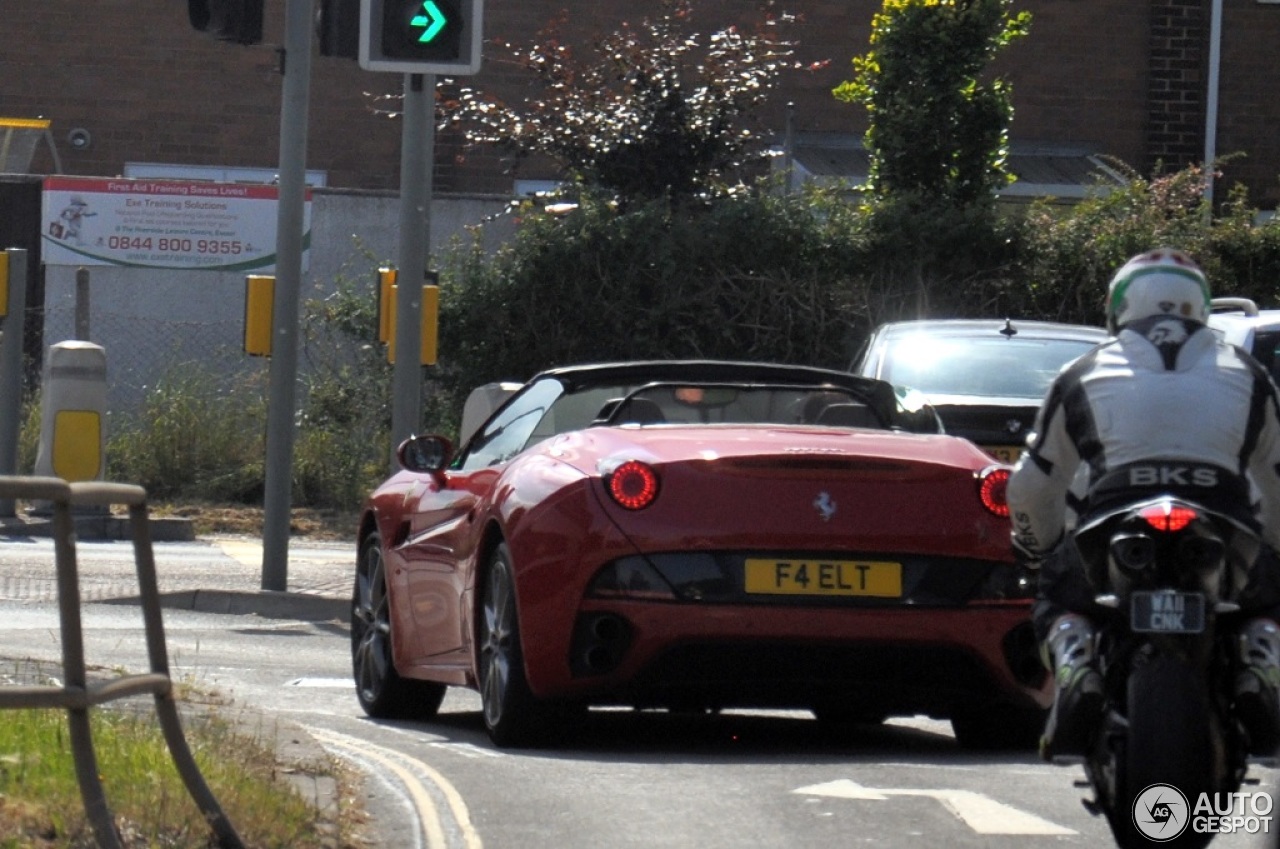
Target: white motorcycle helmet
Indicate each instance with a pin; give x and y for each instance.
(1159, 282)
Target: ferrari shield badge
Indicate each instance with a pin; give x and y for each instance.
(826, 505)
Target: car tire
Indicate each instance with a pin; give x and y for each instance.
(999, 728)
(382, 692)
(512, 716)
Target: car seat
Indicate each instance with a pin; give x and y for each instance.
(618, 411)
(850, 415)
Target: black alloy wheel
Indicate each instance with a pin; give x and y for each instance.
(512, 716)
(382, 692)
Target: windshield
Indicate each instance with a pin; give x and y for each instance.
(549, 407)
(998, 368)
(722, 403)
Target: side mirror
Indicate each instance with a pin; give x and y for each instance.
(426, 454)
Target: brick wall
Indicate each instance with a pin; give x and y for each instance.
(1176, 83)
(1117, 77)
(1080, 76)
(1249, 109)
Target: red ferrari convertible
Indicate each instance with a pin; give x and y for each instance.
(697, 535)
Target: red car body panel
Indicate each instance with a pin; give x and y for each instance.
(830, 492)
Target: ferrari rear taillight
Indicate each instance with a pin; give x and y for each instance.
(993, 485)
(633, 485)
(1167, 516)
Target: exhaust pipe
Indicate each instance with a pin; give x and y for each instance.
(600, 641)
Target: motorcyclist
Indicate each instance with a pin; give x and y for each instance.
(1164, 388)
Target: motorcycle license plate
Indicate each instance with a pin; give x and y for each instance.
(1166, 612)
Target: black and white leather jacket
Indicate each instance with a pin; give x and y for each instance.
(1164, 389)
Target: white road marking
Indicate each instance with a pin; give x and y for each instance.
(981, 813)
(467, 750)
(248, 553)
(325, 683)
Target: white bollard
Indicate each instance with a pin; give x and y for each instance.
(73, 433)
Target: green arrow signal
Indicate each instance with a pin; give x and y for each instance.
(431, 22)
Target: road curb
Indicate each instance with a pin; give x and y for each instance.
(267, 603)
(101, 527)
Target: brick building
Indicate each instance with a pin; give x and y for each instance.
(1119, 78)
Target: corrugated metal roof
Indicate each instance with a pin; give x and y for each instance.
(18, 140)
(1041, 170)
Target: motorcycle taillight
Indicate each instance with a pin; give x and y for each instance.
(1168, 517)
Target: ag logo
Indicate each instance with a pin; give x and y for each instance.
(1167, 332)
(1160, 812)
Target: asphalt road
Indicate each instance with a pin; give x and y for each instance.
(622, 779)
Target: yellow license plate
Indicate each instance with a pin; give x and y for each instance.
(1004, 453)
(878, 578)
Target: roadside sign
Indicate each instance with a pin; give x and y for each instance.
(141, 223)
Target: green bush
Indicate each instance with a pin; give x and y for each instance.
(795, 278)
(341, 448)
(196, 435)
(748, 277)
(1245, 256)
(201, 436)
(1069, 256)
(938, 261)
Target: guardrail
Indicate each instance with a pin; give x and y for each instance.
(76, 695)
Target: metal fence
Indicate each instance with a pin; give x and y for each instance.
(77, 695)
(144, 349)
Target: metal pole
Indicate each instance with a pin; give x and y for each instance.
(1211, 103)
(82, 304)
(417, 152)
(11, 372)
(296, 67)
(788, 149)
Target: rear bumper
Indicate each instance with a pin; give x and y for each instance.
(888, 661)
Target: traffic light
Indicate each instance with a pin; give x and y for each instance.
(338, 25)
(421, 36)
(230, 20)
(259, 309)
(429, 321)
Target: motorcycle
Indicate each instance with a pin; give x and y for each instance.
(1167, 548)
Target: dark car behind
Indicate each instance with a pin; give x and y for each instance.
(985, 378)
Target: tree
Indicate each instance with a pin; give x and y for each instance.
(938, 140)
(658, 113)
(938, 131)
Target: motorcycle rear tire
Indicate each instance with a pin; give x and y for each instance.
(1169, 742)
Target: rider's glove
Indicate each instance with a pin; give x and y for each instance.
(1026, 558)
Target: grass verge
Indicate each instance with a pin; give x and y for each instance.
(310, 523)
(262, 796)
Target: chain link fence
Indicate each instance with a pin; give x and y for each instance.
(143, 350)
